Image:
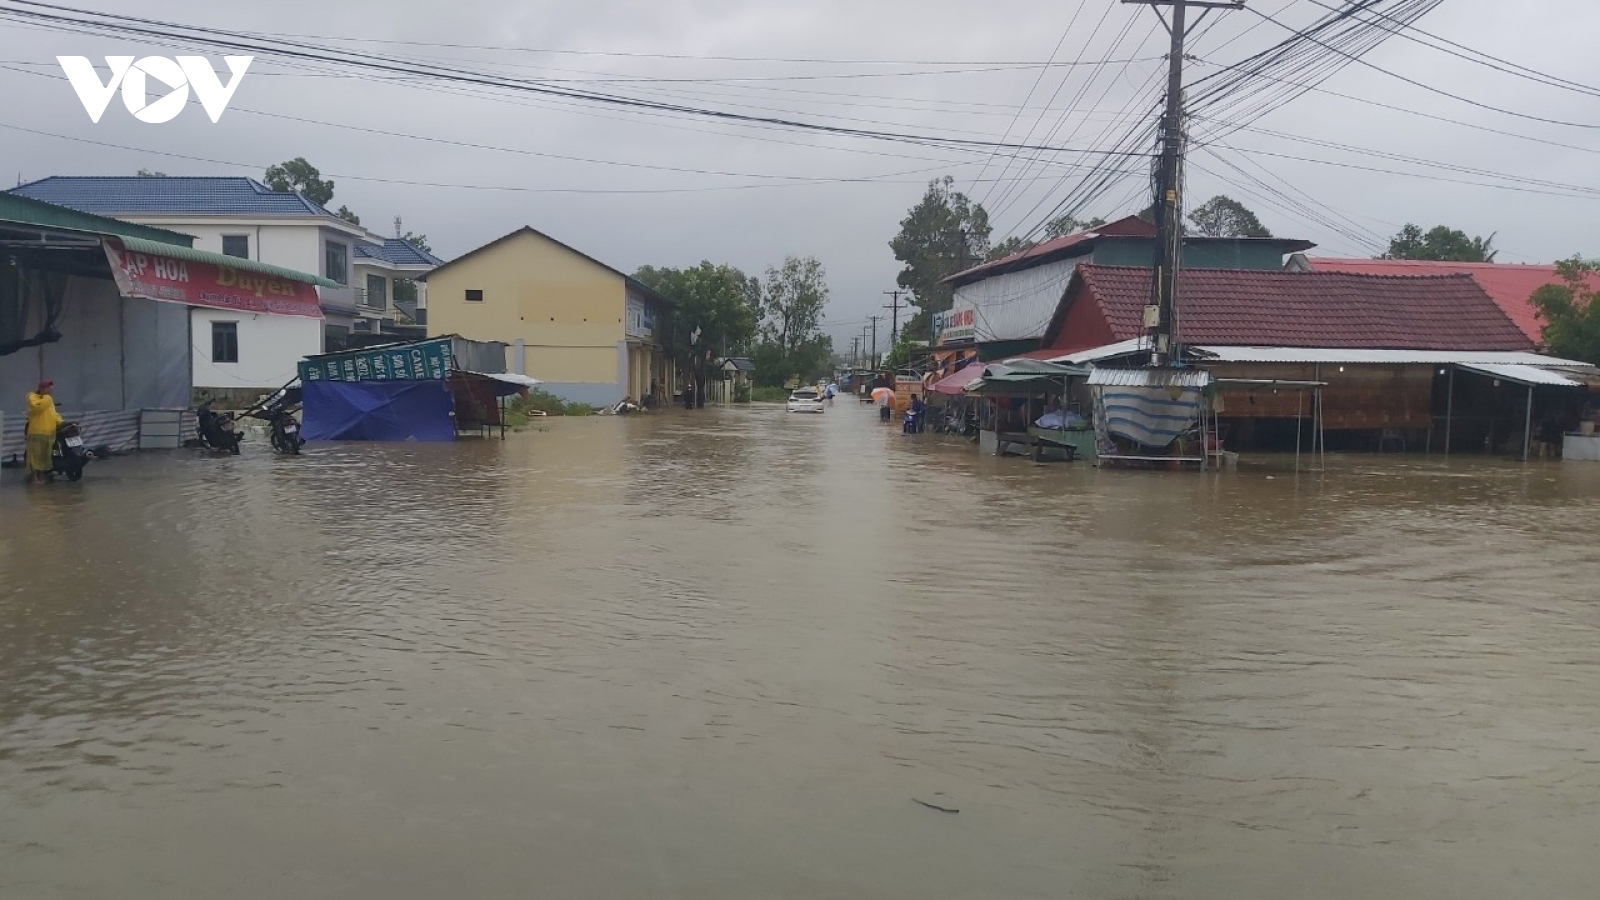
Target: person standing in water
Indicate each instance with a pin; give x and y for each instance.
(43, 420)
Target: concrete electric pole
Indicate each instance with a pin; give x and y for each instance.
(1169, 180)
(894, 311)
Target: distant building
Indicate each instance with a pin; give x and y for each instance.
(243, 218)
(589, 332)
(1511, 286)
(1003, 307)
(1429, 362)
(106, 309)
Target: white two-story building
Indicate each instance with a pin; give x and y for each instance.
(238, 356)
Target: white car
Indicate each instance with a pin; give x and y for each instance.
(806, 400)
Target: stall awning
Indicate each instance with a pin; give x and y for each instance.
(1532, 376)
(175, 274)
(956, 382)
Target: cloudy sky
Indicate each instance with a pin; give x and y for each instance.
(465, 163)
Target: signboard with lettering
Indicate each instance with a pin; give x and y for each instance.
(641, 319)
(955, 326)
(421, 361)
(153, 276)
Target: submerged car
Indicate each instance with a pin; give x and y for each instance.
(806, 400)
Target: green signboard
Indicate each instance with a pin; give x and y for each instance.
(422, 361)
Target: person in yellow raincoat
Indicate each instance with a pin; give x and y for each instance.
(43, 420)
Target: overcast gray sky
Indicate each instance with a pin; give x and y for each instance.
(837, 198)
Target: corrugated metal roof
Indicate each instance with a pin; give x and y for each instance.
(1185, 378)
(1095, 354)
(40, 214)
(170, 195)
(176, 251)
(1358, 356)
(1538, 376)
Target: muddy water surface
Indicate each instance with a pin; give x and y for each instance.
(722, 655)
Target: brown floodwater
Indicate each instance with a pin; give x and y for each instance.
(724, 655)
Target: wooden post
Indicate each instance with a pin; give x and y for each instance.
(1449, 409)
(1527, 426)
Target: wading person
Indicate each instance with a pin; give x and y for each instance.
(43, 420)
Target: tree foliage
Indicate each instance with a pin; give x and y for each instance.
(1009, 246)
(1440, 243)
(150, 173)
(419, 241)
(943, 234)
(1066, 224)
(299, 175)
(792, 345)
(348, 215)
(1223, 216)
(719, 300)
(1571, 311)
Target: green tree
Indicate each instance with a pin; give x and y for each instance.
(1441, 243)
(1066, 224)
(419, 241)
(1571, 311)
(150, 173)
(1009, 246)
(1223, 216)
(345, 214)
(792, 345)
(299, 175)
(942, 235)
(717, 300)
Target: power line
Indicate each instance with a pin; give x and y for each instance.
(1409, 32)
(1440, 91)
(235, 41)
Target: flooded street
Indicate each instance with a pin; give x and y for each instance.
(724, 654)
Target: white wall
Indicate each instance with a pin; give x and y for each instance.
(293, 245)
(270, 347)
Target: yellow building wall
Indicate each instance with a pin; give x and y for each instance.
(566, 309)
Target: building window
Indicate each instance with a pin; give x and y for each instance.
(377, 292)
(336, 261)
(224, 342)
(236, 245)
(335, 338)
(474, 296)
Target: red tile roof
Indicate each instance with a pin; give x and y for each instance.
(1510, 286)
(1232, 307)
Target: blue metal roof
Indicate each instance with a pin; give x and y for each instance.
(169, 195)
(397, 252)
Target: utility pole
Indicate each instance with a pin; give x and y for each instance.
(894, 322)
(855, 353)
(874, 320)
(1165, 345)
(864, 348)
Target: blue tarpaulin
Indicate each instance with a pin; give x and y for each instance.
(377, 411)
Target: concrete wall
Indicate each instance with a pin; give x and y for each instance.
(293, 245)
(566, 309)
(270, 347)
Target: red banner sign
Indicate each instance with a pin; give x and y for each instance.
(216, 286)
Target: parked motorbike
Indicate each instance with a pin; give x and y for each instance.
(69, 455)
(218, 431)
(278, 412)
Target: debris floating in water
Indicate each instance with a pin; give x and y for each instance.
(943, 809)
